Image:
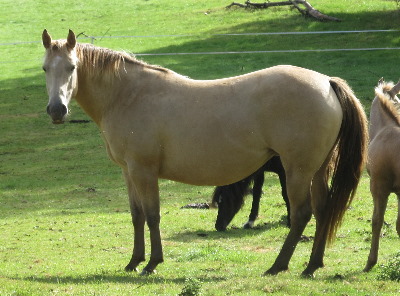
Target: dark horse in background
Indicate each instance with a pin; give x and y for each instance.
(230, 198)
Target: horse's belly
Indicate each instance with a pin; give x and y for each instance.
(214, 168)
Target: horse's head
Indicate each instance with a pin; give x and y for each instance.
(60, 65)
(229, 203)
(225, 214)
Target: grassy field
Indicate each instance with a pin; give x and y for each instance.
(64, 220)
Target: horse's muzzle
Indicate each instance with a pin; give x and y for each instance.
(57, 112)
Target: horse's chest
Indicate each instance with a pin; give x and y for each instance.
(113, 150)
(127, 145)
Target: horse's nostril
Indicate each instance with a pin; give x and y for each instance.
(48, 109)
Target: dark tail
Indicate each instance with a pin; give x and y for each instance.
(351, 156)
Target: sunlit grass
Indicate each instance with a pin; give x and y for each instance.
(64, 216)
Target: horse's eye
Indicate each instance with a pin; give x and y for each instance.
(73, 68)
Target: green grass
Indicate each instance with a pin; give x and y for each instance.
(64, 220)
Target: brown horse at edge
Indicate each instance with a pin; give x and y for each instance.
(383, 159)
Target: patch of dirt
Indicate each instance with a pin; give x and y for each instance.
(199, 206)
(305, 238)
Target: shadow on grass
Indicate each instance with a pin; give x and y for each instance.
(115, 278)
(231, 232)
(347, 276)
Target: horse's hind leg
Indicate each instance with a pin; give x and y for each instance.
(255, 206)
(398, 215)
(319, 193)
(380, 196)
(298, 186)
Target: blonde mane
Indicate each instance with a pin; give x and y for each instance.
(94, 60)
(390, 107)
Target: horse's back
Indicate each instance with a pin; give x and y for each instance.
(236, 124)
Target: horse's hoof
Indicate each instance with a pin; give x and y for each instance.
(220, 228)
(147, 272)
(248, 225)
(270, 272)
(367, 268)
(307, 275)
(274, 271)
(370, 263)
(309, 271)
(130, 269)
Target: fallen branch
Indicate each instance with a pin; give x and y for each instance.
(311, 11)
(308, 11)
(249, 4)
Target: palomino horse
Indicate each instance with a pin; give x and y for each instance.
(383, 159)
(230, 198)
(159, 124)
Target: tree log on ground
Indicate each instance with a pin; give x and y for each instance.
(308, 9)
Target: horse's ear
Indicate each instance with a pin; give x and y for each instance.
(381, 81)
(71, 40)
(395, 90)
(46, 39)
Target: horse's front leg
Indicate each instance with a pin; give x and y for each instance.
(255, 206)
(138, 221)
(277, 167)
(146, 205)
(152, 213)
(282, 181)
(380, 197)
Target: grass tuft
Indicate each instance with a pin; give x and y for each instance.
(192, 287)
(391, 270)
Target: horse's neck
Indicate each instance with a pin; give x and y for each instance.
(97, 94)
(379, 119)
